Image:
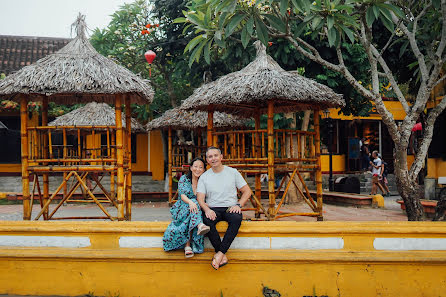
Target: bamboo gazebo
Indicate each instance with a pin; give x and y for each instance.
(263, 87)
(180, 152)
(75, 74)
(97, 143)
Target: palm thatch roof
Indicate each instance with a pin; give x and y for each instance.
(93, 114)
(77, 73)
(261, 80)
(178, 118)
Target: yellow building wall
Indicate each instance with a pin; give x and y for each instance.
(436, 167)
(156, 155)
(347, 259)
(338, 163)
(142, 147)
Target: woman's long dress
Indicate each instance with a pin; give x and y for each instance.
(183, 221)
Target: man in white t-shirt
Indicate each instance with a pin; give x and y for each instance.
(217, 196)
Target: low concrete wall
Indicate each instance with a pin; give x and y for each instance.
(294, 258)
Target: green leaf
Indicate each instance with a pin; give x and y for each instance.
(222, 20)
(235, 21)
(193, 18)
(283, 7)
(403, 48)
(193, 43)
(330, 22)
(298, 5)
(375, 11)
(250, 25)
(299, 29)
(395, 9)
(262, 31)
(179, 20)
(315, 23)
(387, 23)
(217, 35)
(332, 36)
(349, 33)
(196, 54)
(276, 22)
(386, 14)
(207, 52)
(245, 37)
(369, 16)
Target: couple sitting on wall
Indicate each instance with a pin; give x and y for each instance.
(214, 193)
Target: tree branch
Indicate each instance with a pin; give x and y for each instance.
(441, 46)
(427, 139)
(392, 80)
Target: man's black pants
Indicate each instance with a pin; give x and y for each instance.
(234, 221)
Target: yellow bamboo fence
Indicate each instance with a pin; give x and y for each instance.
(181, 152)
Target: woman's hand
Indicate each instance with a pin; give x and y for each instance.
(235, 209)
(193, 207)
(210, 214)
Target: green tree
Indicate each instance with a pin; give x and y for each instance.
(416, 28)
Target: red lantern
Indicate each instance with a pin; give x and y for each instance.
(417, 127)
(150, 56)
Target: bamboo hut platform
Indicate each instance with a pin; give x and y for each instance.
(77, 73)
(263, 87)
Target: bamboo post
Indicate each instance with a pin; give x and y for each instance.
(271, 194)
(64, 135)
(258, 185)
(128, 124)
(24, 143)
(169, 163)
(120, 156)
(46, 186)
(210, 130)
(317, 143)
(112, 173)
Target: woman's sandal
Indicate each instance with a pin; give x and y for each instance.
(203, 229)
(188, 252)
(212, 263)
(223, 264)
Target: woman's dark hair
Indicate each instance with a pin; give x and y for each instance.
(189, 173)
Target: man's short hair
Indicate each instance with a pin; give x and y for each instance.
(212, 148)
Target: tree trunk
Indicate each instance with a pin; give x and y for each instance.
(409, 189)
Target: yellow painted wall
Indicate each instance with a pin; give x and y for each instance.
(394, 107)
(436, 167)
(105, 269)
(338, 163)
(156, 155)
(142, 146)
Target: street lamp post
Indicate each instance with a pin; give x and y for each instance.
(330, 153)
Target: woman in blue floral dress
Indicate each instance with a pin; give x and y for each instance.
(187, 229)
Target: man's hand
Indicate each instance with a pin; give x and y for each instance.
(210, 214)
(193, 207)
(235, 209)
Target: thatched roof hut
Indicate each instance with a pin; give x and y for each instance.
(261, 80)
(93, 114)
(178, 118)
(77, 73)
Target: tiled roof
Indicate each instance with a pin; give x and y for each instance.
(19, 51)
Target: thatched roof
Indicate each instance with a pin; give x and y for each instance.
(93, 114)
(263, 79)
(178, 118)
(77, 73)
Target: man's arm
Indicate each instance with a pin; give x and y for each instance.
(246, 193)
(210, 214)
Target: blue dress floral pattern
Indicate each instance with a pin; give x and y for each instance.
(183, 221)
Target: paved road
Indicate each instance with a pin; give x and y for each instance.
(159, 211)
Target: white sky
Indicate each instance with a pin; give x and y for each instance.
(53, 18)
